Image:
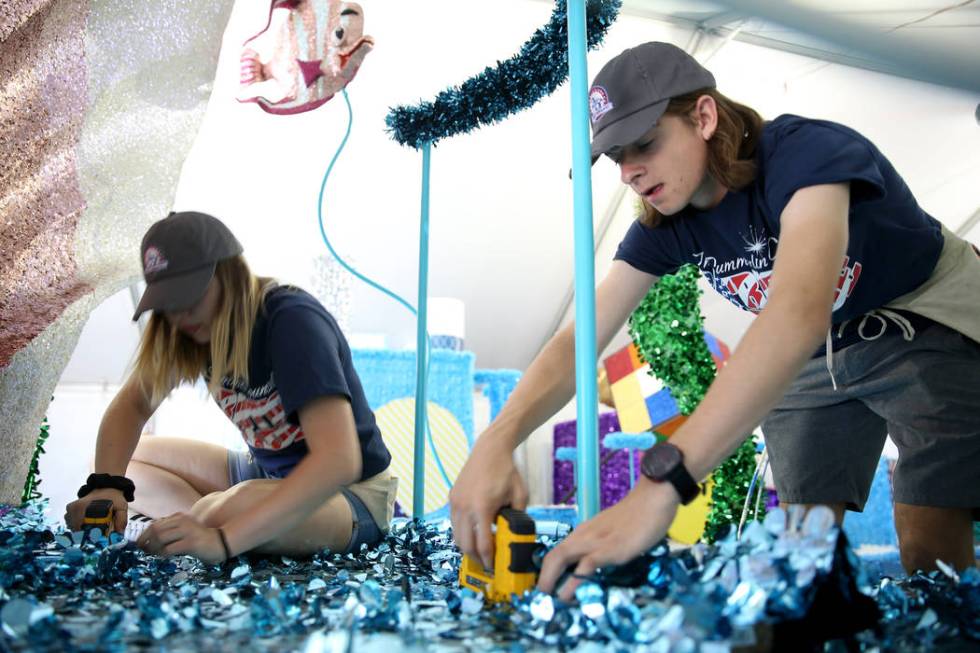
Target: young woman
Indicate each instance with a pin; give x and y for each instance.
(316, 471)
(805, 223)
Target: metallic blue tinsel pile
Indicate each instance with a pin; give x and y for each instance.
(785, 581)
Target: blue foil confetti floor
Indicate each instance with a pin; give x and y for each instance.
(788, 584)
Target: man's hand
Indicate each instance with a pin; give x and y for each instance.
(614, 536)
(181, 534)
(489, 481)
(75, 511)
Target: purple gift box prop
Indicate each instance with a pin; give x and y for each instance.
(614, 481)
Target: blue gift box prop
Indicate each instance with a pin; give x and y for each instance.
(389, 375)
(497, 386)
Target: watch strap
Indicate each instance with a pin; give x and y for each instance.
(684, 483)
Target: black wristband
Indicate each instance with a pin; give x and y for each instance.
(224, 543)
(108, 482)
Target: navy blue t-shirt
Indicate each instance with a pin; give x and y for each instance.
(298, 353)
(893, 244)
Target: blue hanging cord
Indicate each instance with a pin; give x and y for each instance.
(373, 284)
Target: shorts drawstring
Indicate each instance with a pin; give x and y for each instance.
(829, 357)
(880, 314)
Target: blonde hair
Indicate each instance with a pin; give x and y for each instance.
(167, 357)
(731, 149)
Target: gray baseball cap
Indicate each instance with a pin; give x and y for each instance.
(632, 91)
(179, 255)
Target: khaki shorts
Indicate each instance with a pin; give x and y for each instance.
(378, 494)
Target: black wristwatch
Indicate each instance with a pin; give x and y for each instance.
(665, 462)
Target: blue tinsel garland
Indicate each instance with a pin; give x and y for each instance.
(515, 84)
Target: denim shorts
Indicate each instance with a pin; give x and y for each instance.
(921, 388)
(242, 467)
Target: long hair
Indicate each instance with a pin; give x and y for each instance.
(731, 149)
(167, 357)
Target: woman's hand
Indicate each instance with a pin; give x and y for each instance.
(488, 481)
(614, 536)
(75, 511)
(181, 534)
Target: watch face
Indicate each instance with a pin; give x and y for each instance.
(660, 460)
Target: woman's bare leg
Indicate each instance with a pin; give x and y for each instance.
(172, 474)
(329, 527)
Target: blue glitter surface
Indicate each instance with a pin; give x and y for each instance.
(785, 579)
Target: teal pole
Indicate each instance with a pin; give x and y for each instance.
(421, 344)
(587, 428)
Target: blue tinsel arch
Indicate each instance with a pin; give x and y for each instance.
(518, 83)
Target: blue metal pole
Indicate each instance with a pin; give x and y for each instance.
(587, 427)
(421, 345)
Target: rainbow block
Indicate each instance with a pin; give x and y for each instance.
(642, 402)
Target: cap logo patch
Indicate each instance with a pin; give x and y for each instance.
(599, 104)
(153, 261)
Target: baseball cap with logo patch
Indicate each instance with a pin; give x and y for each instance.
(632, 91)
(179, 255)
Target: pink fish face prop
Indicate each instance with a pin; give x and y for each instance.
(309, 51)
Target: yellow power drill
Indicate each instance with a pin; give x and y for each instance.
(100, 514)
(514, 561)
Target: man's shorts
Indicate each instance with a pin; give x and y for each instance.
(371, 500)
(824, 444)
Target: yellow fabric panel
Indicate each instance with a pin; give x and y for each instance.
(396, 419)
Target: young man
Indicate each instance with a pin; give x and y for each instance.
(868, 322)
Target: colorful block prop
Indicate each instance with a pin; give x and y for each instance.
(308, 51)
(642, 401)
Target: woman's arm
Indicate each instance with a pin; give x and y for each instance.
(121, 427)
(119, 433)
(812, 246)
(489, 479)
(813, 242)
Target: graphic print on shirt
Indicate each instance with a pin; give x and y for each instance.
(259, 415)
(744, 280)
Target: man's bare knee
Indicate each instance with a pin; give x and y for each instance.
(916, 557)
(927, 534)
